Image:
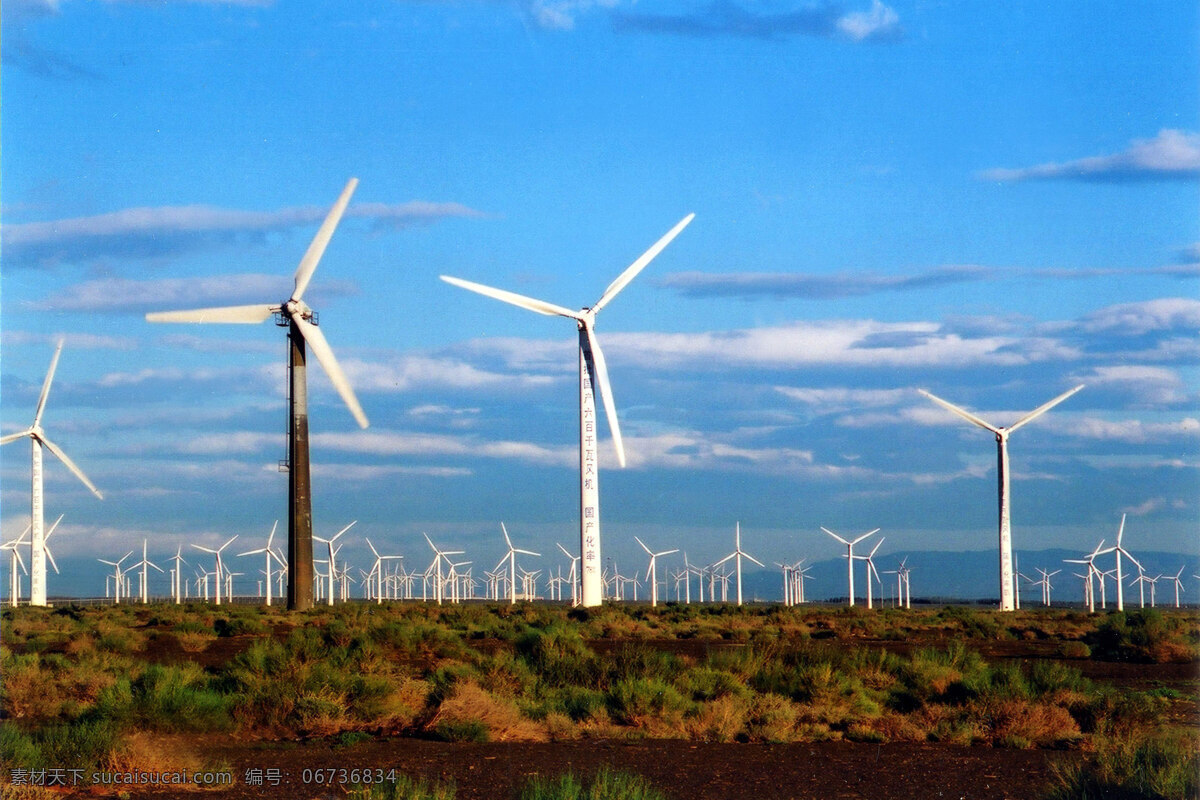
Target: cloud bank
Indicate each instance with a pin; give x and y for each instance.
(725, 18)
(1173, 154)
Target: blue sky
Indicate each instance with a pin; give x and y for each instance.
(993, 201)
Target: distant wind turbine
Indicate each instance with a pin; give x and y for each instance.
(220, 567)
(14, 577)
(869, 559)
(118, 575)
(268, 554)
(593, 372)
(37, 440)
(332, 557)
(511, 559)
(737, 555)
(850, 557)
(652, 572)
(301, 322)
(1120, 550)
(1005, 526)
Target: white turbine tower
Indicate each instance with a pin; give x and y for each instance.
(738, 554)
(1178, 585)
(869, 558)
(1005, 525)
(268, 554)
(652, 571)
(37, 440)
(850, 557)
(511, 558)
(1120, 550)
(301, 322)
(220, 567)
(593, 372)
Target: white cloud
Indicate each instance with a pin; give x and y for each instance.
(1171, 154)
(73, 341)
(837, 398)
(411, 372)
(1133, 319)
(1148, 507)
(1130, 431)
(1147, 386)
(879, 22)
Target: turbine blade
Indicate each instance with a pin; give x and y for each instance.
(12, 437)
(507, 540)
(967, 415)
(865, 535)
(834, 535)
(316, 340)
(637, 266)
(228, 314)
(373, 550)
(50, 556)
(272, 536)
(53, 448)
(37, 416)
(53, 527)
(1042, 409)
(610, 408)
(343, 530)
(752, 558)
(520, 300)
(308, 264)
(643, 544)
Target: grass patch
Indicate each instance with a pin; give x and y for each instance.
(606, 784)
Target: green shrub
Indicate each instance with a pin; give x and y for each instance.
(466, 730)
(402, 788)
(1166, 768)
(604, 785)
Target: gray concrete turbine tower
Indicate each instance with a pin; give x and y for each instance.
(37, 440)
(301, 322)
(592, 372)
(1007, 602)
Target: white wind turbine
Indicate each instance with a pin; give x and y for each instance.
(511, 558)
(1089, 590)
(118, 575)
(1120, 550)
(177, 573)
(377, 571)
(38, 439)
(436, 567)
(301, 322)
(1005, 524)
(268, 554)
(738, 554)
(652, 571)
(220, 567)
(14, 577)
(574, 576)
(332, 553)
(143, 585)
(1178, 585)
(592, 372)
(850, 557)
(870, 559)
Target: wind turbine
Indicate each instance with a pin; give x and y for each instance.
(220, 566)
(1178, 585)
(332, 563)
(1119, 549)
(738, 554)
(268, 554)
(652, 572)
(38, 439)
(574, 575)
(1005, 525)
(511, 558)
(118, 574)
(1092, 572)
(177, 573)
(301, 322)
(14, 577)
(438, 557)
(869, 558)
(850, 557)
(143, 586)
(377, 571)
(592, 372)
